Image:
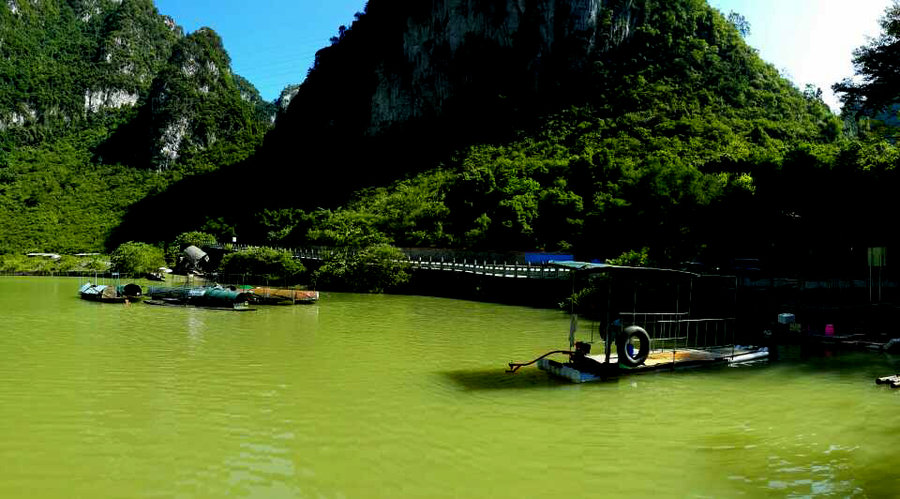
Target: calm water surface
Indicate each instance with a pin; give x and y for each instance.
(391, 396)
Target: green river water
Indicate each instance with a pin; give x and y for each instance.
(398, 396)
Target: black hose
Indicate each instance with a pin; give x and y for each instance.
(513, 367)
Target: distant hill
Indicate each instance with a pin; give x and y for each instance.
(100, 93)
(614, 128)
(593, 127)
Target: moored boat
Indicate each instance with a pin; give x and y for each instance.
(646, 339)
(203, 296)
(280, 296)
(110, 294)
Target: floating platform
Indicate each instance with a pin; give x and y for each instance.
(894, 381)
(594, 368)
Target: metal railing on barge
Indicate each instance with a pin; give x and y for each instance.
(674, 330)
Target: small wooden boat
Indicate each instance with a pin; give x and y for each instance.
(280, 296)
(219, 297)
(110, 294)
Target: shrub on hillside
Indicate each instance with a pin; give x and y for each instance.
(266, 263)
(135, 258)
(374, 269)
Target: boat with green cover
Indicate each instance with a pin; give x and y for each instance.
(201, 296)
(110, 294)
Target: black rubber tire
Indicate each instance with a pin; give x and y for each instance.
(622, 346)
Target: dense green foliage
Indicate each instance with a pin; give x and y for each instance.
(48, 266)
(135, 259)
(194, 238)
(94, 94)
(683, 141)
(196, 114)
(373, 269)
(54, 198)
(270, 264)
(674, 143)
(57, 53)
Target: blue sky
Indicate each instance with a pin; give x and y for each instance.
(273, 42)
(809, 41)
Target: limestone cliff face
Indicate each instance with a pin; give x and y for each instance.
(70, 59)
(194, 100)
(421, 57)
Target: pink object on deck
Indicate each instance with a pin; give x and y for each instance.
(829, 329)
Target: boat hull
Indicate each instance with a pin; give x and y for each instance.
(592, 368)
(278, 296)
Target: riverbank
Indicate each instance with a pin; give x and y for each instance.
(851, 307)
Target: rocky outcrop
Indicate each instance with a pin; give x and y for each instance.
(132, 42)
(196, 101)
(95, 100)
(284, 99)
(416, 59)
(86, 10)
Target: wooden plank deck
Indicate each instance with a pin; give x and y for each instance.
(681, 355)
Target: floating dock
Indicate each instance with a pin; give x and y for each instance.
(894, 381)
(594, 367)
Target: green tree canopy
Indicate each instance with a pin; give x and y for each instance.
(266, 263)
(136, 258)
(194, 238)
(373, 269)
(878, 66)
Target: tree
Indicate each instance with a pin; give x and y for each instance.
(193, 238)
(266, 263)
(740, 23)
(812, 92)
(373, 269)
(137, 258)
(878, 66)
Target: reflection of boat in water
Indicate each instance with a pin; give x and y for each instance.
(110, 294)
(683, 335)
(205, 296)
(279, 296)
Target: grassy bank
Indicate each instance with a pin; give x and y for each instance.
(64, 264)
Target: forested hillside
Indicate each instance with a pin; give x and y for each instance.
(669, 133)
(642, 128)
(103, 103)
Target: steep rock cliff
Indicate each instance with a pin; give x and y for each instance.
(408, 60)
(194, 105)
(121, 65)
(69, 59)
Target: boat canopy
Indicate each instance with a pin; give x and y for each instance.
(592, 267)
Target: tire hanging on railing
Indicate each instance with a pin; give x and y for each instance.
(631, 358)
